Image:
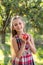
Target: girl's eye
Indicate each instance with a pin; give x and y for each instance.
(15, 24)
(20, 23)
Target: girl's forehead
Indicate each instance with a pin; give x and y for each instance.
(17, 21)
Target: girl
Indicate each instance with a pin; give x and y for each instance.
(22, 44)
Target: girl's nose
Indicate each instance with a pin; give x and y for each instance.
(18, 25)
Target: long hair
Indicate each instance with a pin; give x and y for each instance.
(14, 32)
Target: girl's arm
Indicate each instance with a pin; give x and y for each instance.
(17, 53)
(13, 52)
(31, 44)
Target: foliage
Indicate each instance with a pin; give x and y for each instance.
(32, 10)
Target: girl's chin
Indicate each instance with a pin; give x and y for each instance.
(19, 30)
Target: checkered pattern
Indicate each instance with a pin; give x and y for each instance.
(26, 58)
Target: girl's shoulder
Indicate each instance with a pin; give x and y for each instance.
(29, 35)
(14, 38)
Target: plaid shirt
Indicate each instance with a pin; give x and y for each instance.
(26, 58)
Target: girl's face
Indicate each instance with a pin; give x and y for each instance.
(18, 25)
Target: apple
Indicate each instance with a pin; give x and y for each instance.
(25, 36)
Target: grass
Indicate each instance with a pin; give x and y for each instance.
(5, 54)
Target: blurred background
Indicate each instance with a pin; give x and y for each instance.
(32, 12)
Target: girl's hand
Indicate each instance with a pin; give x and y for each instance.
(24, 37)
(29, 41)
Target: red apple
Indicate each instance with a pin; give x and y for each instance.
(25, 36)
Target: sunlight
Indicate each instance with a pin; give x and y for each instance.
(1, 55)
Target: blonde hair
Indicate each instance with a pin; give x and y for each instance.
(14, 32)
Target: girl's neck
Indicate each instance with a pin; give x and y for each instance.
(19, 33)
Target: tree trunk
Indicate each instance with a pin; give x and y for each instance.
(3, 33)
(3, 37)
